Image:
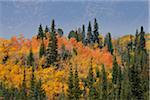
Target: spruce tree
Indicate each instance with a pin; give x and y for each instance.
(42, 49)
(91, 79)
(119, 83)
(53, 30)
(89, 34)
(70, 91)
(32, 92)
(46, 29)
(104, 84)
(23, 93)
(115, 77)
(40, 92)
(142, 39)
(115, 71)
(30, 58)
(77, 91)
(83, 33)
(51, 51)
(108, 43)
(96, 33)
(40, 32)
(135, 84)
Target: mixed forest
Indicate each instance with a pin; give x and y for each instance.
(82, 65)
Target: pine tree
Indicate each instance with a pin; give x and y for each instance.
(32, 92)
(115, 77)
(135, 84)
(108, 43)
(91, 79)
(77, 91)
(40, 92)
(89, 34)
(70, 91)
(83, 33)
(53, 30)
(51, 51)
(42, 49)
(96, 33)
(23, 93)
(104, 84)
(119, 83)
(30, 58)
(142, 39)
(115, 71)
(46, 29)
(40, 32)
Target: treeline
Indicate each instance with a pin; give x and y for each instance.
(130, 79)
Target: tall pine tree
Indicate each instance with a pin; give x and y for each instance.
(77, 91)
(95, 31)
(30, 58)
(42, 49)
(40, 32)
(70, 91)
(89, 34)
(91, 79)
(104, 84)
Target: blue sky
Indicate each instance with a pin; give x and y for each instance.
(118, 17)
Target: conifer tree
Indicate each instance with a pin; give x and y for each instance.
(89, 34)
(83, 33)
(46, 29)
(33, 93)
(108, 43)
(51, 51)
(40, 32)
(91, 79)
(77, 91)
(30, 58)
(23, 93)
(115, 76)
(42, 49)
(142, 39)
(53, 30)
(135, 84)
(96, 33)
(40, 92)
(119, 83)
(104, 84)
(115, 71)
(70, 91)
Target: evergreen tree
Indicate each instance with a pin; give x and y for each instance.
(32, 92)
(119, 83)
(104, 84)
(46, 29)
(115, 76)
(51, 51)
(70, 91)
(135, 84)
(83, 33)
(30, 58)
(42, 49)
(77, 91)
(142, 39)
(91, 79)
(40, 32)
(108, 43)
(23, 93)
(96, 33)
(89, 34)
(53, 30)
(115, 71)
(40, 92)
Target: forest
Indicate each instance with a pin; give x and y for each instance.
(81, 65)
